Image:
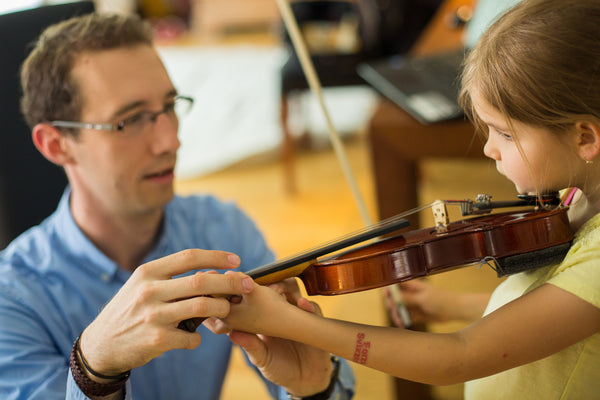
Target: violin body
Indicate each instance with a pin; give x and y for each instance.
(540, 237)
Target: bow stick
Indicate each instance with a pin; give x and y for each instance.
(316, 88)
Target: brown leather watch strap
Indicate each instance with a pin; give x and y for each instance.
(88, 386)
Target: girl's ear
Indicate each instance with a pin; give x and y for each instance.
(51, 143)
(588, 139)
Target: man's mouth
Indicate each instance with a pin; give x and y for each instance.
(166, 173)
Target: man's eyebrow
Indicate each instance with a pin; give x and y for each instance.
(126, 108)
(137, 104)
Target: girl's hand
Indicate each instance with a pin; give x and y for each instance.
(428, 303)
(261, 321)
(247, 311)
(262, 311)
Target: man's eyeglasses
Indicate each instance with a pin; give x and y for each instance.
(137, 123)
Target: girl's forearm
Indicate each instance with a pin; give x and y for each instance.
(419, 356)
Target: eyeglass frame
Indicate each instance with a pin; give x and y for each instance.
(121, 125)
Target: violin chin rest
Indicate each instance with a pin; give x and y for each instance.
(529, 261)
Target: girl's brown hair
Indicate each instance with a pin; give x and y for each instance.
(538, 64)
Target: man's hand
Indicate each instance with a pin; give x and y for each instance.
(140, 322)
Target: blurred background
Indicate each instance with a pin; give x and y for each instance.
(229, 54)
(257, 135)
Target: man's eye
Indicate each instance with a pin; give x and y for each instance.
(170, 107)
(134, 119)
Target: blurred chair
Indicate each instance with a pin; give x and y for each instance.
(339, 35)
(30, 186)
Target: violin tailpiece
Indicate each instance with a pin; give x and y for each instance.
(533, 260)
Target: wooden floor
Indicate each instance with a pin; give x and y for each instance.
(323, 209)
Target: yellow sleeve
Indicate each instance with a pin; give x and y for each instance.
(579, 273)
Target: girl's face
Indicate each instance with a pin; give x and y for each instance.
(548, 154)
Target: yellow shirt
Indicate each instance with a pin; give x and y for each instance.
(573, 373)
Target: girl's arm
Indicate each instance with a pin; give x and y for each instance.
(531, 327)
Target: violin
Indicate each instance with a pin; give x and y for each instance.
(509, 242)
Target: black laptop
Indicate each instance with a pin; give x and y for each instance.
(427, 86)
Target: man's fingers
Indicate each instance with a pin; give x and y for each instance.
(252, 346)
(185, 340)
(216, 326)
(197, 308)
(204, 284)
(188, 260)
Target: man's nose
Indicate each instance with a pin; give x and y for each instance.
(165, 137)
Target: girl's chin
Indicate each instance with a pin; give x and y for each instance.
(525, 192)
(533, 192)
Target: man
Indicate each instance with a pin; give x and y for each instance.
(78, 317)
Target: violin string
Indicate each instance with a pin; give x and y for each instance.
(386, 222)
(380, 224)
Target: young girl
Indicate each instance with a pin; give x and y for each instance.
(532, 84)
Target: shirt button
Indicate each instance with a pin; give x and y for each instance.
(105, 277)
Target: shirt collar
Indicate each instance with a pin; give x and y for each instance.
(78, 243)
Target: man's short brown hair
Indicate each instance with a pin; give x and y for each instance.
(49, 91)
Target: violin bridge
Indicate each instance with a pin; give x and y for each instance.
(440, 216)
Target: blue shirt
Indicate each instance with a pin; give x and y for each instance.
(54, 281)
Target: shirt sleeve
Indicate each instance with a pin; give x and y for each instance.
(343, 389)
(74, 393)
(31, 364)
(579, 273)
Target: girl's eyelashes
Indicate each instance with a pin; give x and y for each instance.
(502, 134)
(505, 135)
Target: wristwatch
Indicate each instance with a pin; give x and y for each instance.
(324, 395)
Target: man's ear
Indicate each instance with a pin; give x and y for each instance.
(51, 143)
(588, 139)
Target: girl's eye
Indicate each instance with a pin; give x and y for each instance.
(506, 136)
(502, 134)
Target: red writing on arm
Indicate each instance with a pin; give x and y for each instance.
(362, 349)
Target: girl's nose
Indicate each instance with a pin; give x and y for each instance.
(490, 149)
